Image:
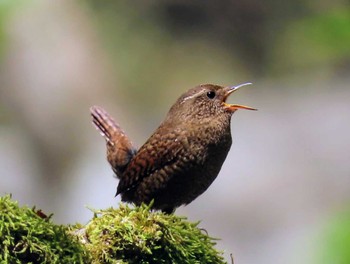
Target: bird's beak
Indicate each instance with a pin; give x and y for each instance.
(234, 107)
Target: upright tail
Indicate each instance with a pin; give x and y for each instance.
(120, 149)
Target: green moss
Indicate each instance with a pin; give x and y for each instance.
(123, 235)
(28, 236)
(138, 235)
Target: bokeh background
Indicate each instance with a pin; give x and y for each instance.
(283, 195)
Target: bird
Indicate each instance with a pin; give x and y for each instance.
(181, 158)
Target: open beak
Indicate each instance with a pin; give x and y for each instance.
(234, 107)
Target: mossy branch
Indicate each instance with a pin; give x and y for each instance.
(123, 235)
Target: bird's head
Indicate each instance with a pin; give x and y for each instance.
(205, 102)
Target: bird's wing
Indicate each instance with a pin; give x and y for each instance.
(120, 149)
(158, 154)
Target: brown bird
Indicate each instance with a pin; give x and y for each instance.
(182, 157)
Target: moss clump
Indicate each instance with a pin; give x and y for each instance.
(29, 236)
(136, 235)
(123, 235)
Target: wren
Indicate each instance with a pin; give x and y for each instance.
(182, 157)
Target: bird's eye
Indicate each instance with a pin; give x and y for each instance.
(211, 94)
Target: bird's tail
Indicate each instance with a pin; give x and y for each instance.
(120, 149)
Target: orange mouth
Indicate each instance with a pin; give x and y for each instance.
(234, 107)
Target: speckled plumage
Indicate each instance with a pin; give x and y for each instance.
(182, 157)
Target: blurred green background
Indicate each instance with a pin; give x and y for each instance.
(283, 194)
